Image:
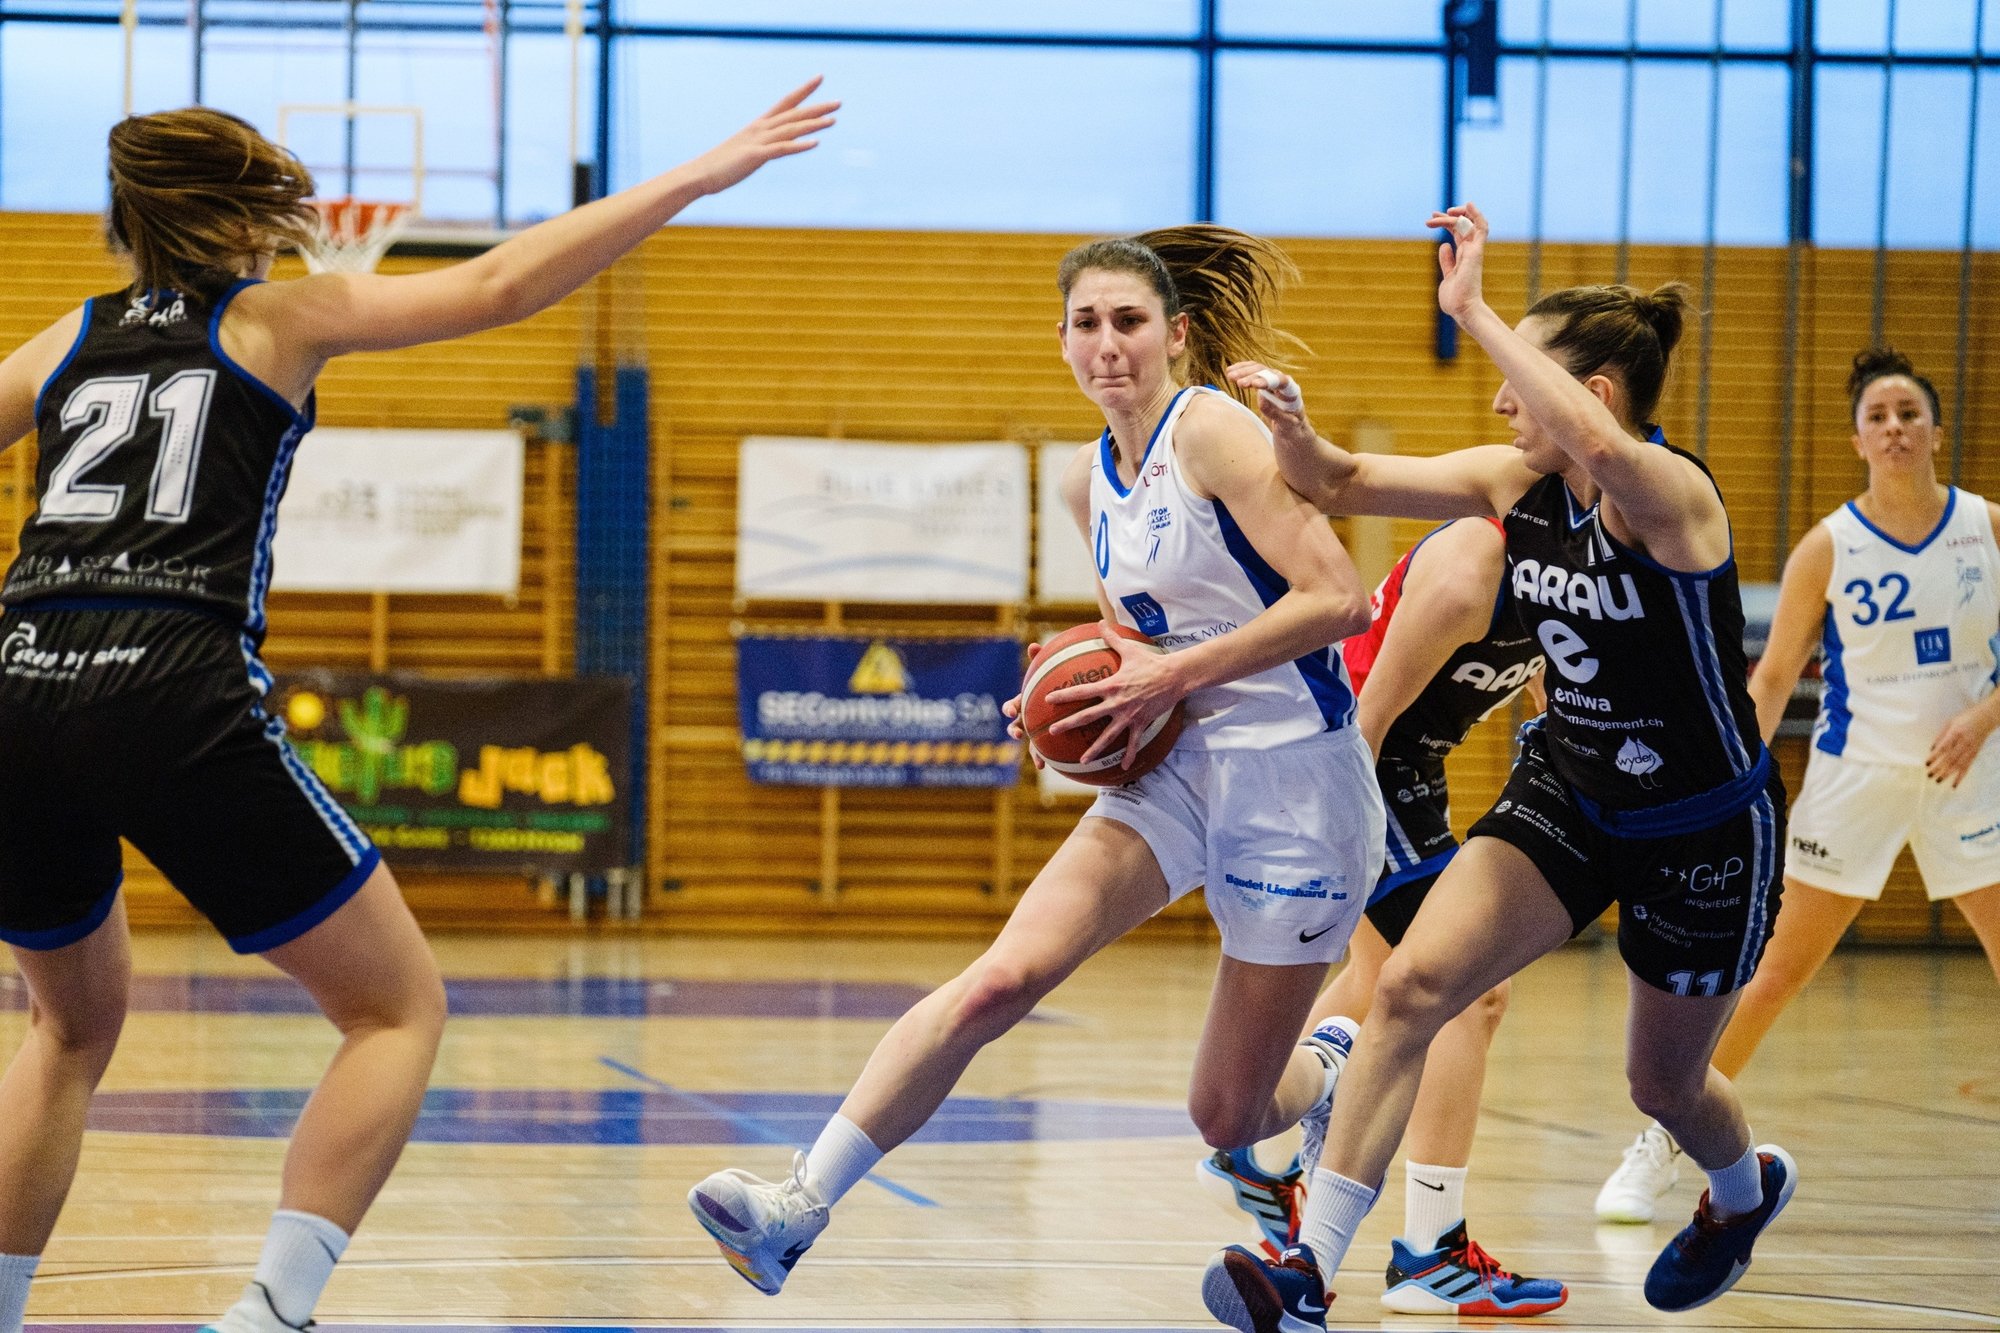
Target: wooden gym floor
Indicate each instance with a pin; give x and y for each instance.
(585, 1083)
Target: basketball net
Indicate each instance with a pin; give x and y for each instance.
(354, 234)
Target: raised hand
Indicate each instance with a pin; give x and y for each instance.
(783, 131)
(1461, 260)
(1303, 458)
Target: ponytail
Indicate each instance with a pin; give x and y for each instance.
(1222, 280)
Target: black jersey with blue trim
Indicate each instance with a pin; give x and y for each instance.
(1647, 679)
(162, 463)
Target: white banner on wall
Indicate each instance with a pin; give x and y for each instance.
(844, 521)
(402, 511)
(1063, 572)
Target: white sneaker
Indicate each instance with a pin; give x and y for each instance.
(761, 1228)
(1648, 1172)
(252, 1313)
(1332, 1041)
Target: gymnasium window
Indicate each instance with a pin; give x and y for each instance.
(1923, 27)
(1929, 110)
(61, 90)
(983, 138)
(1317, 145)
(1129, 18)
(1296, 20)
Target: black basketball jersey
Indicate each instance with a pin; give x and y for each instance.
(162, 464)
(1647, 679)
(1478, 678)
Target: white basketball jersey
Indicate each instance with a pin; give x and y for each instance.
(1910, 633)
(1180, 571)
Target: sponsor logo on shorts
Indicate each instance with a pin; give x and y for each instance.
(1807, 847)
(1991, 833)
(21, 656)
(1708, 877)
(1503, 807)
(1312, 888)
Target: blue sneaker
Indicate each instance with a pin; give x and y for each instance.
(1271, 1201)
(1460, 1278)
(1709, 1255)
(1253, 1295)
(1332, 1041)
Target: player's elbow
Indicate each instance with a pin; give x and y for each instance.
(1345, 613)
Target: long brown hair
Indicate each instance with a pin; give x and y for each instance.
(196, 191)
(1223, 280)
(1620, 331)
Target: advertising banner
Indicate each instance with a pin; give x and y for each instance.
(402, 511)
(860, 712)
(837, 521)
(512, 776)
(1063, 572)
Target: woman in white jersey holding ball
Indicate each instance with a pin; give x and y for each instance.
(1268, 798)
(1900, 589)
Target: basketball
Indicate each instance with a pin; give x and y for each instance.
(1077, 657)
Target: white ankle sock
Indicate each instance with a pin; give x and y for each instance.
(299, 1254)
(1737, 1188)
(1335, 1206)
(1433, 1203)
(840, 1157)
(16, 1270)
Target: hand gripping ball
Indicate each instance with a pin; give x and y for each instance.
(1077, 657)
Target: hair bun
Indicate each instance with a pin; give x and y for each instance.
(1871, 364)
(1665, 310)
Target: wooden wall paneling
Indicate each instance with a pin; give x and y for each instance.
(949, 336)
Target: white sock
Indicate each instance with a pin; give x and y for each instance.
(16, 1270)
(1737, 1188)
(1433, 1203)
(1335, 1206)
(840, 1157)
(299, 1254)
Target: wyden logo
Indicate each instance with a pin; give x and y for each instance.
(1147, 614)
(1933, 645)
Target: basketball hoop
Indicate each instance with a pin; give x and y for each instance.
(354, 234)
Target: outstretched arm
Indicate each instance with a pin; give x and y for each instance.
(1672, 508)
(333, 313)
(1795, 629)
(1448, 598)
(1465, 483)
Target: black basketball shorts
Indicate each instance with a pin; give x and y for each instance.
(1695, 909)
(1421, 842)
(148, 724)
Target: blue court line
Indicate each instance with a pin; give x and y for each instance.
(752, 1125)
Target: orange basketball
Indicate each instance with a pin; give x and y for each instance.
(1077, 657)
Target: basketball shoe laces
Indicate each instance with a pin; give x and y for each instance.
(1693, 1242)
(1471, 1256)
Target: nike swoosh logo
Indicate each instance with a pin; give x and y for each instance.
(1310, 1310)
(1308, 939)
(1427, 1185)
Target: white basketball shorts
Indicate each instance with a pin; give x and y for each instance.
(1288, 841)
(1852, 818)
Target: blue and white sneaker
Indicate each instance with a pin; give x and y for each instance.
(1460, 1278)
(1332, 1041)
(1253, 1295)
(1709, 1255)
(761, 1227)
(1272, 1201)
